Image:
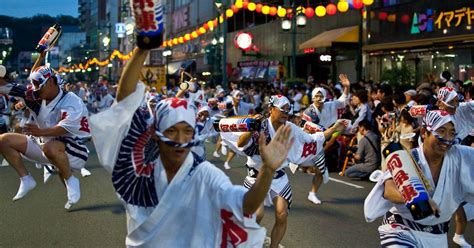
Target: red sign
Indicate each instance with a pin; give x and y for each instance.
(243, 40)
(309, 50)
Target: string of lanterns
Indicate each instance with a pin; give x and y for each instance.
(95, 61)
(320, 11)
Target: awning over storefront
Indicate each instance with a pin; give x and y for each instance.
(418, 43)
(325, 39)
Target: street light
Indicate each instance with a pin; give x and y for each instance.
(297, 20)
(286, 24)
(301, 20)
(214, 41)
(167, 53)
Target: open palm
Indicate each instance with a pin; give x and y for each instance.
(276, 151)
(344, 80)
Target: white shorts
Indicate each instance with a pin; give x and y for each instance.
(76, 152)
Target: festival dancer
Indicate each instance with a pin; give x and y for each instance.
(172, 197)
(324, 113)
(54, 135)
(447, 168)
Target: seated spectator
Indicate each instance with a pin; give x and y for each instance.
(368, 153)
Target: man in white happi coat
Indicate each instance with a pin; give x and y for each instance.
(53, 136)
(303, 152)
(449, 172)
(325, 114)
(172, 197)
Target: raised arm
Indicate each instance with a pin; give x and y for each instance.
(129, 79)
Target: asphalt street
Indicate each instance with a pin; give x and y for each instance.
(98, 220)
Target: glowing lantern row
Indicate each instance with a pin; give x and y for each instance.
(320, 11)
(331, 9)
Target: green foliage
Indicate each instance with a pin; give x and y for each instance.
(398, 76)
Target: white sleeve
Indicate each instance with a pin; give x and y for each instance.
(467, 172)
(74, 116)
(108, 128)
(341, 101)
(375, 205)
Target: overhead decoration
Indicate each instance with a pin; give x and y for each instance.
(94, 61)
(280, 11)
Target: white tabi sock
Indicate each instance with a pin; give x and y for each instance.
(313, 198)
(85, 172)
(459, 239)
(73, 191)
(27, 183)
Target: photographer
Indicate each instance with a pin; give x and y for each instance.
(367, 154)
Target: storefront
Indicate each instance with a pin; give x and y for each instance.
(421, 42)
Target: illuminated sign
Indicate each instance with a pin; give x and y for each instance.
(309, 50)
(325, 58)
(422, 22)
(243, 41)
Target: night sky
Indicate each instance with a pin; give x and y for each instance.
(29, 8)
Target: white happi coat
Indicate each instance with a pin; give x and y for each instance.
(455, 185)
(199, 207)
(66, 110)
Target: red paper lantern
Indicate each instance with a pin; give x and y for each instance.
(405, 19)
(259, 8)
(331, 9)
(205, 25)
(383, 16)
(309, 12)
(273, 11)
(289, 13)
(234, 8)
(357, 4)
(245, 4)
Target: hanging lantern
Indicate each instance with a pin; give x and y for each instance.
(229, 13)
(392, 18)
(170, 43)
(245, 5)
(266, 10)
(309, 12)
(252, 6)
(281, 12)
(300, 9)
(187, 37)
(221, 18)
(234, 9)
(181, 40)
(273, 11)
(342, 6)
(164, 44)
(331, 9)
(205, 26)
(357, 4)
(320, 11)
(405, 19)
(175, 41)
(258, 8)
(202, 30)
(215, 22)
(383, 16)
(210, 24)
(239, 4)
(368, 2)
(194, 34)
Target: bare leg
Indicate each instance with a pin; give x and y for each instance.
(230, 156)
(317, 181)
(281, 221)
(12, 145)
(55, 151)
(461, 223)
(260, 213)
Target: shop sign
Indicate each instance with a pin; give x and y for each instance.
(243, 41)
(325, 58)
(309, 50)
(424, 22)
